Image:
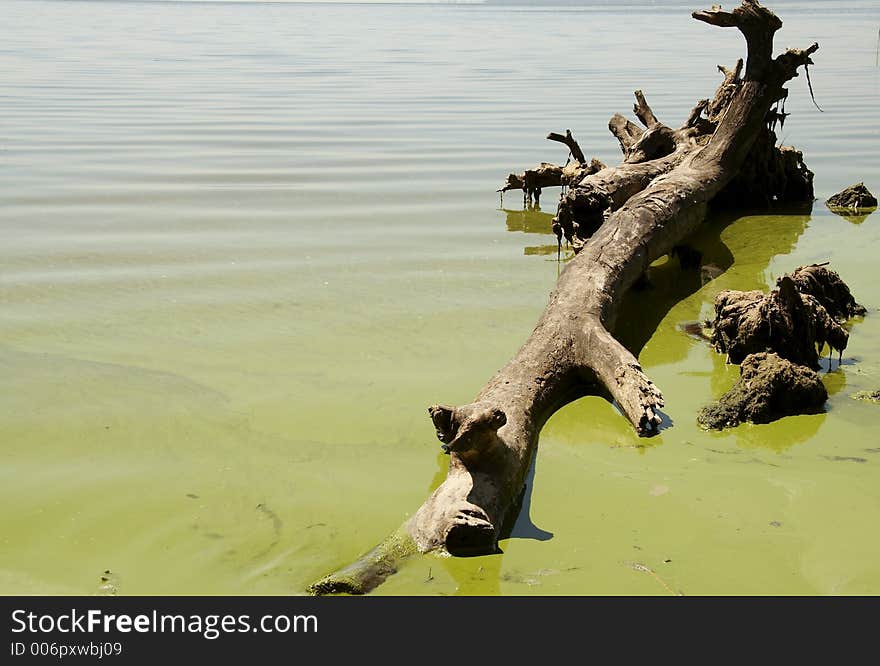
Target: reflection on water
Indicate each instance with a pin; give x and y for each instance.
(852, 218)
(529, 220)
(563, 253)
(519, 523)
(475, 575)
(778, 436)
(666, 283)
(532, 220)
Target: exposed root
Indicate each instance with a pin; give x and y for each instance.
(829, 289)
(795, 325)
(771, 176)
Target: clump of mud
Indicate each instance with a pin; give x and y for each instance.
(769, 388)
(851, 200)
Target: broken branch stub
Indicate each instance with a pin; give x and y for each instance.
(576, 153)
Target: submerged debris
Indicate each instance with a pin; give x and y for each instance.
(867, 396)
(109, 586)
(699, 330)
(769, 388)
(638, 566)
(851, 200)
(709, 272)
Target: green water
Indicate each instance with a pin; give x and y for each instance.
(784, 508)
(241, 256)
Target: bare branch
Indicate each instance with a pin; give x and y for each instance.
(643, 111)
(569, 141)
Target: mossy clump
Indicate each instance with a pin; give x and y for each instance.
(370, 570)
(769, 388)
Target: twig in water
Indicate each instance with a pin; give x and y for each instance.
(810, 86)
(638, 566)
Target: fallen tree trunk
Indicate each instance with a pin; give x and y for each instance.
(620, 220)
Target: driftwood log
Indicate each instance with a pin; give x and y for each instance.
(619, 220)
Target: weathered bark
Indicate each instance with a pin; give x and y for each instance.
(546, 174)
(647, 205)
(533, 181)
(626, 131)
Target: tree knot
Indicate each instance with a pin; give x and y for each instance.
(470, 428)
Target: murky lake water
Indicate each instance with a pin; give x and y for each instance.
(245, 246)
